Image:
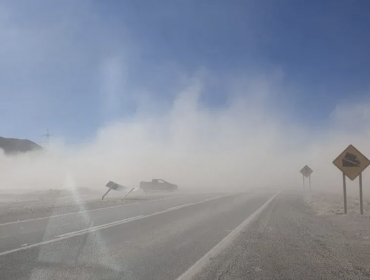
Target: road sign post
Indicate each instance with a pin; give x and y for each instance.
(352, 163)
(345, 193)
(361, 202)
(306, 172)
(113, 186)
(105, 194)
(127, 193)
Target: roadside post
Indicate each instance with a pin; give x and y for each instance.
(134, 189)
(352, 163)
(345, 193)
(113, 186)
(361, 202)
(306, 173)
(105, 194)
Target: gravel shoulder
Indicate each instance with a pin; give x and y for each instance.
(292, 239)
(332, 204)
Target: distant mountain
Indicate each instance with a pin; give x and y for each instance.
(15, 146)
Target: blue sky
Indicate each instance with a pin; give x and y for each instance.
(74, 66)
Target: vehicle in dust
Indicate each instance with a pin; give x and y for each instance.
(158, 185)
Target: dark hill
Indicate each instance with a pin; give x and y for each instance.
(15, 146)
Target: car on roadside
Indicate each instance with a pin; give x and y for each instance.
(158, 185)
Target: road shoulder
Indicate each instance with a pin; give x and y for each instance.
(290, 241)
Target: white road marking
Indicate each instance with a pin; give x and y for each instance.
(223, 244)
(5, 236)
(92, 229)
(100, 227)
(180, 206)
(82, 197)
(84, 211)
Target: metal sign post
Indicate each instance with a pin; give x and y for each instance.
(306, 172)
(345, 193)
(105, 194)
(361, 203)
(112, 186)
(127, 193)
(352, 163)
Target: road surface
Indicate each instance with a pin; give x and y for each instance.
(155, 239)
(203, 236)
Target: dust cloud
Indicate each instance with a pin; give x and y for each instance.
(250, 143)
(245, 145)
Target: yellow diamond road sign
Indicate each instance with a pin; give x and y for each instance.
(306, 171)
(351, 162)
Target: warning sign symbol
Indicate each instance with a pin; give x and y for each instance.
(306, 171)
(350, 160)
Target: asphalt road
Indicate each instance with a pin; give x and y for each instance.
(53, 206)
(154, 239)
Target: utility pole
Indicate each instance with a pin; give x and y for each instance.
(47, 137)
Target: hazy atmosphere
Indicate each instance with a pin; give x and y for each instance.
(213, 108)
(163, 140)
